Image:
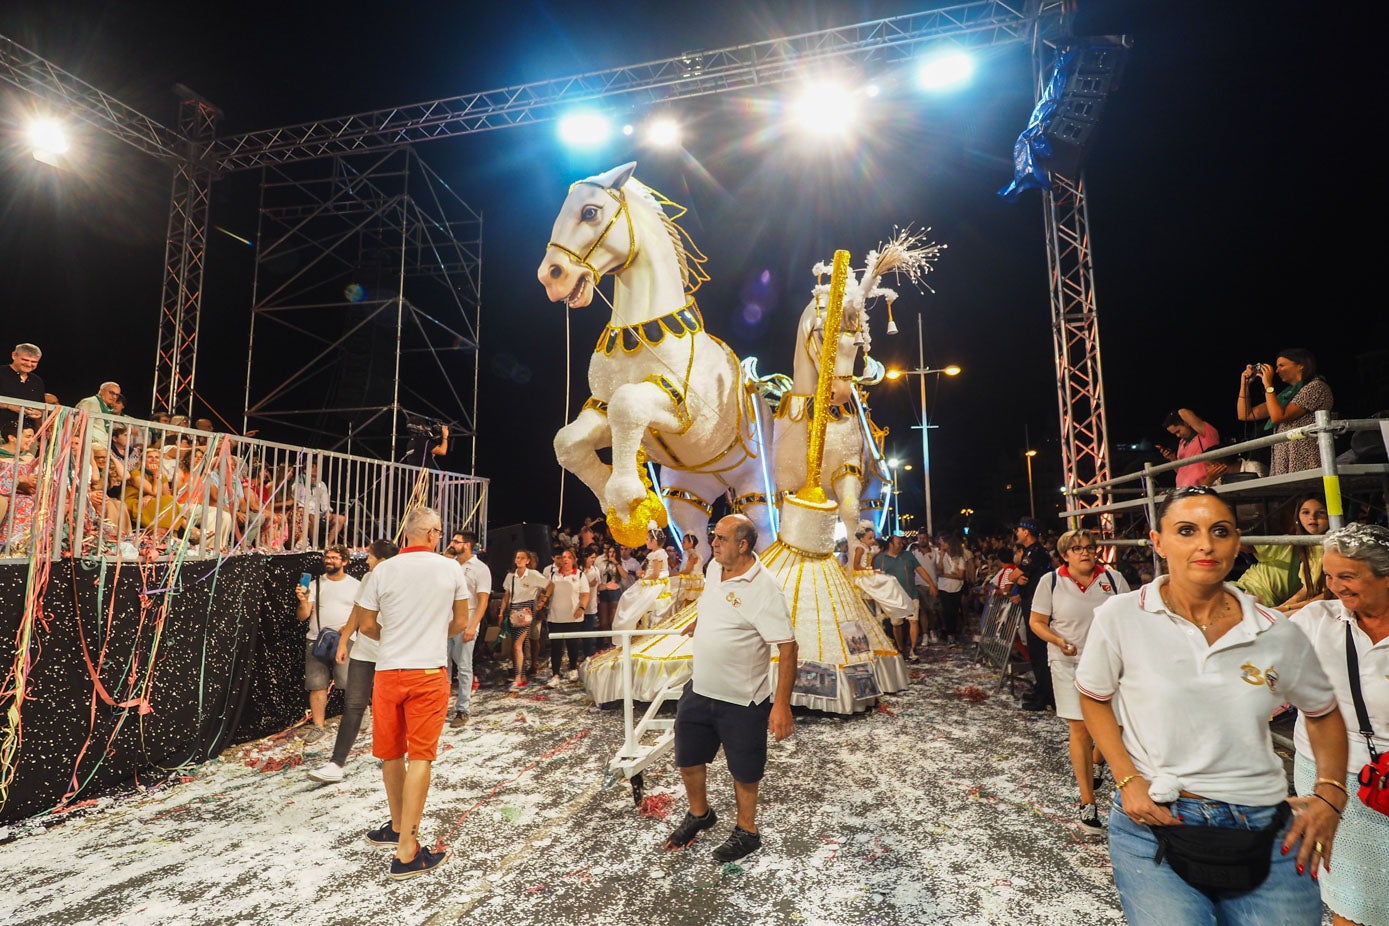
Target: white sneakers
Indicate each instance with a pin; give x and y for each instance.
(573, 675)
(332, 772)
(553, 682)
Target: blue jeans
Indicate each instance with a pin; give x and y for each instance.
(1154, 895)
(461, 655)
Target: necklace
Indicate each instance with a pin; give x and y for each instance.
(1223, 612)
(1224, 609)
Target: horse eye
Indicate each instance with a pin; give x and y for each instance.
(589, 213)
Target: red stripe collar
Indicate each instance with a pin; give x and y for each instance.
(417, 549)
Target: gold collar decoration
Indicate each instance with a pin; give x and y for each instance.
(684, 320)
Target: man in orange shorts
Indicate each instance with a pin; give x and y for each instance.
(413, 604)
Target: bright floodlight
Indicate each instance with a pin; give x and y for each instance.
(584, 129)
(951, 370)
(948, 70)
(825, 108)
(663, 133)
(48, 138)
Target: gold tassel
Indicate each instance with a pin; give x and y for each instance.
(891, 325)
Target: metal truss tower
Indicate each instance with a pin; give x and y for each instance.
(365, 314)
(1085, 454)
(185, 257)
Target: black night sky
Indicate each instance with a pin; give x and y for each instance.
(1230, 191)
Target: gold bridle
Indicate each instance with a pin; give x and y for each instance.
(620, 197)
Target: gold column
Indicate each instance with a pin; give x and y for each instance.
(829, 348)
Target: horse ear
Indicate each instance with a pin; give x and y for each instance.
(617, 178)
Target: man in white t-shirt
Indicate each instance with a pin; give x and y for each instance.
(312, 504)
(326, 605)
(927, 596)
(461, 650)
(728, 701)
(414, 603)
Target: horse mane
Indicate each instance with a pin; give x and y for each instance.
(687, 254)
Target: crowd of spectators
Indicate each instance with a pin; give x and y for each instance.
(152, 483)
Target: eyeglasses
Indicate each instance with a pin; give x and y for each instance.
(1083, 548)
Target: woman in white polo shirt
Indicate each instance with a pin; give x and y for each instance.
(1062, 608)
(1178, 680)
(1356, 567)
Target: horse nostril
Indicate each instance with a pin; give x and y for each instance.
(556, 271)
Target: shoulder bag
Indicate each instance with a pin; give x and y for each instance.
(1374, 777)
(325, 645)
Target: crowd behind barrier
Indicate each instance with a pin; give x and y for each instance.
(78, 483)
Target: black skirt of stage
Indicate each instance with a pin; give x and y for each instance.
(130, 676)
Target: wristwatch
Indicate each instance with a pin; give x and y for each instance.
(1268, 389)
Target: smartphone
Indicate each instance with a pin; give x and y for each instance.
(305, 580)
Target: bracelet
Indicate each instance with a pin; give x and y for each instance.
(1326, 802)
(1119, 786)
(1334, 783)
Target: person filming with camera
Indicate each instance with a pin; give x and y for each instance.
(1304, 393)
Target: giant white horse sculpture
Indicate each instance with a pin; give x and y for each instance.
(854, 472)
(661, 386)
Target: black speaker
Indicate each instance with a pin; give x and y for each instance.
(503, 542)
(1094, 66)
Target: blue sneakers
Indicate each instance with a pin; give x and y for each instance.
(423, 862)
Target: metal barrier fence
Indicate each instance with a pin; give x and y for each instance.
(79, 484)
(1000, 622)
(1249, 491)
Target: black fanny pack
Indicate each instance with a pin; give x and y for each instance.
(1217, 858)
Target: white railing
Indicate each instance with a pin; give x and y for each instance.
(102, 485)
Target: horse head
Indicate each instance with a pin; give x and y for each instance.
(592, 236)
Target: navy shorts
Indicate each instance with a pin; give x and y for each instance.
(703, 724)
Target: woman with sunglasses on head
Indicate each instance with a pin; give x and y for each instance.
(1356, 563)
(1062, 609)
(1193, 669)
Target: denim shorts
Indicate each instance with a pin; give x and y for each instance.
(1153, 894)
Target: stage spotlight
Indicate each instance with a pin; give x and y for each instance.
(825, 108)
(663, 133)
(628, 129)
(49, 140)
(948, 70)
(584, 129)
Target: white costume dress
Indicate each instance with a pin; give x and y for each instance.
(884, 590)
(647, 596)
(689, 582)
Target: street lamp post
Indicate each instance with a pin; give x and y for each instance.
(923, 371)
(1031, 499)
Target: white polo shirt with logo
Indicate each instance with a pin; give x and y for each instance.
(739, 621)
(1071, 607)
(568, 591)
(1197, 715)
(1324, 623)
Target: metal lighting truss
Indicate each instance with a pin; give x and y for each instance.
(185, 256)
(365, 313)
(691, 74)
(1085, 453)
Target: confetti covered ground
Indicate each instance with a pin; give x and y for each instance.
(938, 808)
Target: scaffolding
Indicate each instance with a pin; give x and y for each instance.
(365, 309)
